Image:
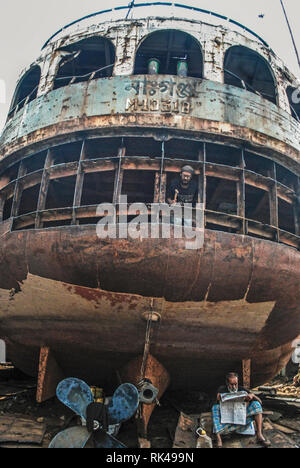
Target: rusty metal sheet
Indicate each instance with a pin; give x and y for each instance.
(202, 106)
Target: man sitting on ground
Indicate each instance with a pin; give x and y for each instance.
(254, 412)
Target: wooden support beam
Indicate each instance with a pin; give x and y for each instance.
(296, 208)
(44, 189)
(18, 191)
(119, 175)
(2, 203)
(273, 200)
(246, 373)
(241, 192)
(79, 183)
(202, 176)
(50, 374)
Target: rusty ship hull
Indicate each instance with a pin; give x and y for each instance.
(85, 298)
(89, 122)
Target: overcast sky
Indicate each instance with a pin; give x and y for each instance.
(26, 25)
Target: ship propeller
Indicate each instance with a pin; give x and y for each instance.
(101, 421)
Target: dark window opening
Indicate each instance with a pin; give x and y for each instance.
(139, 186)
(258, 164)
(35, 162)
(61, 193)
(286, 219)
(27, 88)
(183, 149)
(94, 55)
(219, 227)
(246, 69)
(147, 147)
(9, 175)
(29, 200)
(62, 222)
(221, 195)
(170, 47)
(294, 100)
(286, 177)
(220, 154)
(67, 153)
(88, 221)
(7, 208)
(98, 188)
(257, 205)
(99, 148)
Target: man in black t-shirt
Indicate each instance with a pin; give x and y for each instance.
(183, 189)
(254, 411)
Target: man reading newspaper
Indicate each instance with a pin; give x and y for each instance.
(243, 408)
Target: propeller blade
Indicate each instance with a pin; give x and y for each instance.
(75, 394)
(103, 440)
(74, 437)
(123, 404)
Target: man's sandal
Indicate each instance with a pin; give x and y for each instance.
(264, 442)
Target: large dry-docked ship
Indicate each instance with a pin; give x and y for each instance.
(118, 107)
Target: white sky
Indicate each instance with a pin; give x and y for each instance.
(26, 25)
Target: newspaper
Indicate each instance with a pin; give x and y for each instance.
(233, 408)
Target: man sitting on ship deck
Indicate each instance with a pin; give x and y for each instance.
(254, 412)
(183, 190)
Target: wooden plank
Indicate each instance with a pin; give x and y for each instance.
(17, 429)
(277, 439)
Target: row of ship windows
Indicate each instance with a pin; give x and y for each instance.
(175, 148)
(139, 185)
(169, 52)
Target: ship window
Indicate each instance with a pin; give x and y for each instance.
(182, 149)
(29, 200)
(221, 195)
(10, 174)
(94, 55)
(27, 89)
(294, 100)
(7, 208)
(220, 154)
(139, 186)
(166, 52)
(102, 148)
(286, 177)
(98, 188)
(66, 153)
(257, 164)
(35, 162)
(147, 147)
(257, 204)
(247, 69)
(61, 193)
(286, 216)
